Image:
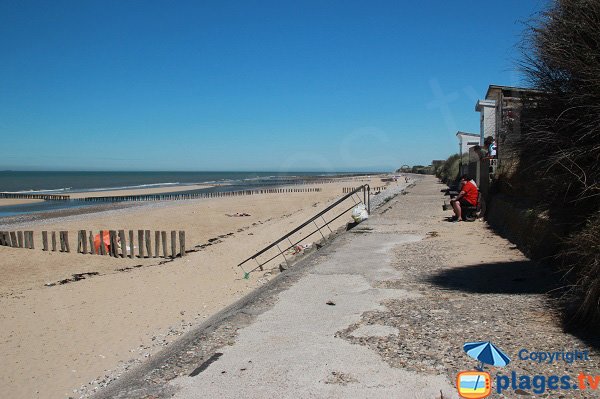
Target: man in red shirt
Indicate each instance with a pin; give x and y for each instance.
(467, 197)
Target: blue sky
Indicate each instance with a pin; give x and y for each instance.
(247, 85)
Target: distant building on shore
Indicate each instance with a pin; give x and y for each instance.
(420, 169)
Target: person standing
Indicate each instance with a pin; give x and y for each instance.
(490, 146)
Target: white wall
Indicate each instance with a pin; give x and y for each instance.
(466, 142)
(489, 123)
(487, 115)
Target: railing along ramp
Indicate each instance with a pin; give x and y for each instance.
(280, 246)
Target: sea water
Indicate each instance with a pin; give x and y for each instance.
(65, 183)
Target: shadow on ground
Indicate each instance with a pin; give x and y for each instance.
(519, 277)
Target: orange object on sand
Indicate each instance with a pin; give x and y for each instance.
(106, 236)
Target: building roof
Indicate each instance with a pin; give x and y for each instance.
(484, 103)
(511, 88)
(459, 133)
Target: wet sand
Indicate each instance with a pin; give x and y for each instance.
(18, 201)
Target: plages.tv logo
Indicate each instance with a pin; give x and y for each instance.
(474, 384)
(477, 384)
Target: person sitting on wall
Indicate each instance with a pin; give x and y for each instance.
(467, 197)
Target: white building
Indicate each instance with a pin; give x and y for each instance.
(465, 141)
(487, 125)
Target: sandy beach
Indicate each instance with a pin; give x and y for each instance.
(18, 201)
(64, 340)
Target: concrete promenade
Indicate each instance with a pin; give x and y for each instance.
(382, 311)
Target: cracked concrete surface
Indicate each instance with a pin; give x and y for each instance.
(291, 350)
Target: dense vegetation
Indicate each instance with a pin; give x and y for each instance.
(419, 169)
(560, 139)
(448, 171)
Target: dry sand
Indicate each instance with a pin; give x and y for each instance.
(56, 339)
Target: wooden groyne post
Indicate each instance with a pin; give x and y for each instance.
(141, 243)
(64, 241)
(173, 244)
(81, 238)
(156, 244)
(163, 235)
(123, 243)
(101, 248)
(182, 243)
(92, 249)
(131, 249)
(113, 243)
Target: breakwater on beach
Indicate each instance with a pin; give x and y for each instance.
(46, 197)
(159, 197)
(186, 196)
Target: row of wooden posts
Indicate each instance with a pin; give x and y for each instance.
(144, 239)
(117, 247)
(163, 197)
(17, 239)
(35, 196)
(346, 190)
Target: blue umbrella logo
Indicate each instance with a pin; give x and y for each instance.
(486, 353)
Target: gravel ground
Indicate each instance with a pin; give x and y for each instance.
(473, 286)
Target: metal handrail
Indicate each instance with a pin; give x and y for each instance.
(366, 200)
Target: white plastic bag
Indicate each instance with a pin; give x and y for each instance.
(359, 213)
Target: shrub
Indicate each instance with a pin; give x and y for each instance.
(583, 254)
(560, 142)
(449, 170)
(561, 128)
